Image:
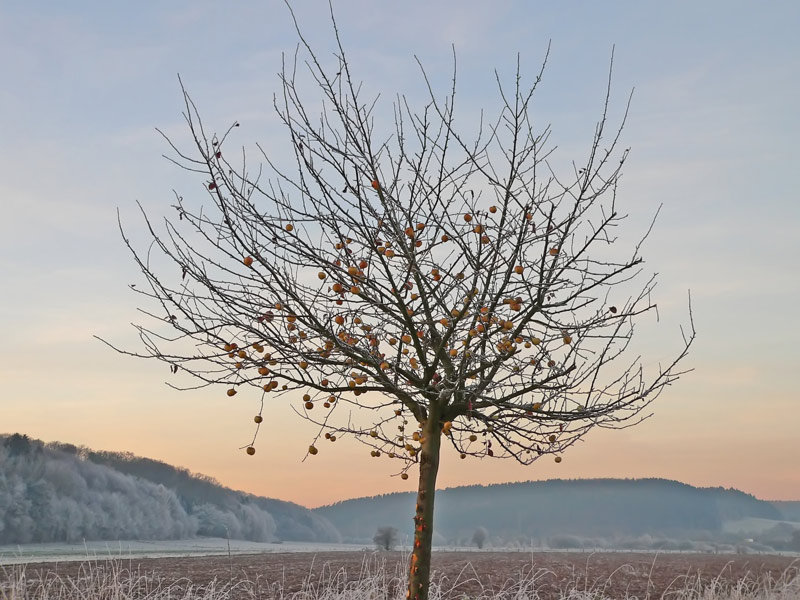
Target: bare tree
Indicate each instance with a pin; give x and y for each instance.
(407, 289)
(479, 537)
(385, 538)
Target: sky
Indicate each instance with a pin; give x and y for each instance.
(712, 128)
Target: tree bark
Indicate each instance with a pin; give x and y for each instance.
(420, 567)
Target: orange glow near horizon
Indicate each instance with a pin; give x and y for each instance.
(206, 439)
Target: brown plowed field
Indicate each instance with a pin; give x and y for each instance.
(465, 573)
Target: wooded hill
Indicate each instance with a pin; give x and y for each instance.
(63, 493)
(538, 510)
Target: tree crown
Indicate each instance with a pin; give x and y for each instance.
(420, 274)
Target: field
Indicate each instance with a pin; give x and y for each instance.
(349, 575)
(125, 549)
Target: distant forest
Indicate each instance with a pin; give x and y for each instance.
(59, 492)
(63, 493)
(560, 513)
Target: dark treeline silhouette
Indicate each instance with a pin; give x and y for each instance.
(62, 492)
(539, 510)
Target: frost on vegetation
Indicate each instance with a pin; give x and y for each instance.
(376, 581)
(47, 495)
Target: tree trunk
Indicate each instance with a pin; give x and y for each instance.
(420, 568)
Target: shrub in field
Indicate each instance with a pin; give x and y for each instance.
(479, 537)
(385, 538)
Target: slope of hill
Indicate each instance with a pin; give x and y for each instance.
(60, 492)
(599, 508)
(789, 509)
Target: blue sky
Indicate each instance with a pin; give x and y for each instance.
(712, 128)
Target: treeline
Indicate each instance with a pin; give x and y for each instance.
(540, 510)
(64, 493)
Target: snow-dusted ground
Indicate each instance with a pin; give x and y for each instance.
(28, 553)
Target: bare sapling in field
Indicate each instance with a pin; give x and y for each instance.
(405, 282)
